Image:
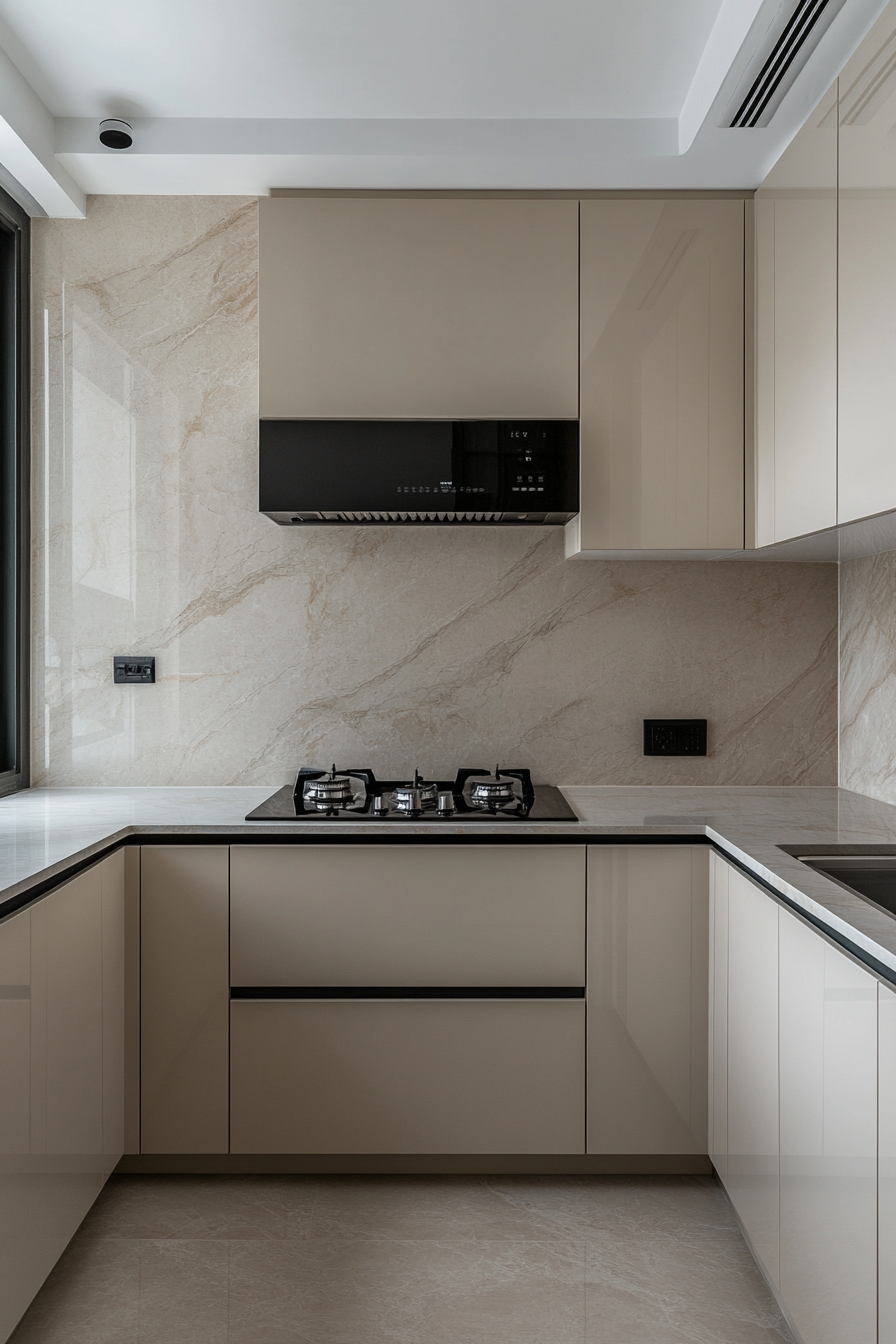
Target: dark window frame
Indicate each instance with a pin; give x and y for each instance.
(15, 491)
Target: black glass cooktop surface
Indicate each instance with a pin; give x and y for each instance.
(357, 795)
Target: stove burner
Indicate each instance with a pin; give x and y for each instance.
(412, 799)
(492, 792)
(329, 791)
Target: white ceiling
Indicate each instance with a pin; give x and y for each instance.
(232, 96)
(361, 58)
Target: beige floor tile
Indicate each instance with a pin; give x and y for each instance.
(395, 1292)
(685, 1290)
(91, 1297)
(626, 1205)
(218, 1208)
(439, 1208)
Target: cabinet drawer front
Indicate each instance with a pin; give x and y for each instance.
(392, 1077)
(407, 916)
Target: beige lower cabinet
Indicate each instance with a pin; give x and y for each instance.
(795, 1111)
(404, 915)
(408, 1077)
(647, 999)
(886, 1256)
(717, 1089)
(185, 994)
(828, 1137)
(749, 1058)
(61, 1072)
(466, 1073)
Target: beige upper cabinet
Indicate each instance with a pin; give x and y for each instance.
(662, 375)
(412, 308)
(796, 334)
(867, 282)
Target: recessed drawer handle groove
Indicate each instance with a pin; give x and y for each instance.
(315, 992)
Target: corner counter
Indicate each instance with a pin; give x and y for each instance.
(46, 835)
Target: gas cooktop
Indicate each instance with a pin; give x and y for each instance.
(474, 795)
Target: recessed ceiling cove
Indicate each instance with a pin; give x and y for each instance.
(227, 96)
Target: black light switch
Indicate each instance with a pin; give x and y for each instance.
(675, 737)
(133, 669)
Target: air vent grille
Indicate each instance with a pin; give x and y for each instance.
(782, 63)
(413, 517)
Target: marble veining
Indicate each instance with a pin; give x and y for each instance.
(868, 675)
(393, 647)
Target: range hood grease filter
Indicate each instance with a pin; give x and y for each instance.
(419, 472)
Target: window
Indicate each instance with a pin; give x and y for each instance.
(14, 495)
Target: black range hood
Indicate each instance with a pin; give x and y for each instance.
(419, 472)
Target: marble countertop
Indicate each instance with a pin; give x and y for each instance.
(45, 833)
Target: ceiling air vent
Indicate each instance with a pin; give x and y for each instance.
(788, 43)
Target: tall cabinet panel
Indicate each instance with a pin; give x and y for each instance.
(662, 374)
(828, 1137)
(185, 997)
(647, 999)
(62, 1068)
(417, 308)
(796, 334)
(867, 283)
(718, 1015)
(753, 1065)
(887, 1166)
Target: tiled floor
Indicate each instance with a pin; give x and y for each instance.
(406, 1260)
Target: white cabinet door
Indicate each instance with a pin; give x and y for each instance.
(796, 334)
(753, 1065)
(62, 1072)
(662, 375)
(887, 1167)
(828, 1134)
(185, 996)
(718, 1015)
(413, 308)
(647, 999)
(408, 1077)
(867, 276)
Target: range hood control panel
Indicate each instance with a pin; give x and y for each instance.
(419, 471)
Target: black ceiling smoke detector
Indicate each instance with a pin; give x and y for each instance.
(789, 43)
(116, 134)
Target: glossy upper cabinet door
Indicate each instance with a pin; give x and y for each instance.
(404, 308)
(185, 998)
(887, 1166)
(753, 1065)
(647, 996)
(662, 375)
(718, 1015)
(828, 1135)
(796, 334)
(867, 280)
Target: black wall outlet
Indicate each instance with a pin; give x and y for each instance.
(674, 737)
(133, 668)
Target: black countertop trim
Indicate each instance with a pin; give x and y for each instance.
(859, 953)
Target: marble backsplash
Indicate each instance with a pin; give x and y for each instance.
(396, 648)
(868, 676)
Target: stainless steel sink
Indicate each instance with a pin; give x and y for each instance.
(873, 877)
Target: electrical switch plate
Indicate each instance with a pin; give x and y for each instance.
(133, 668)
(674, 737)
